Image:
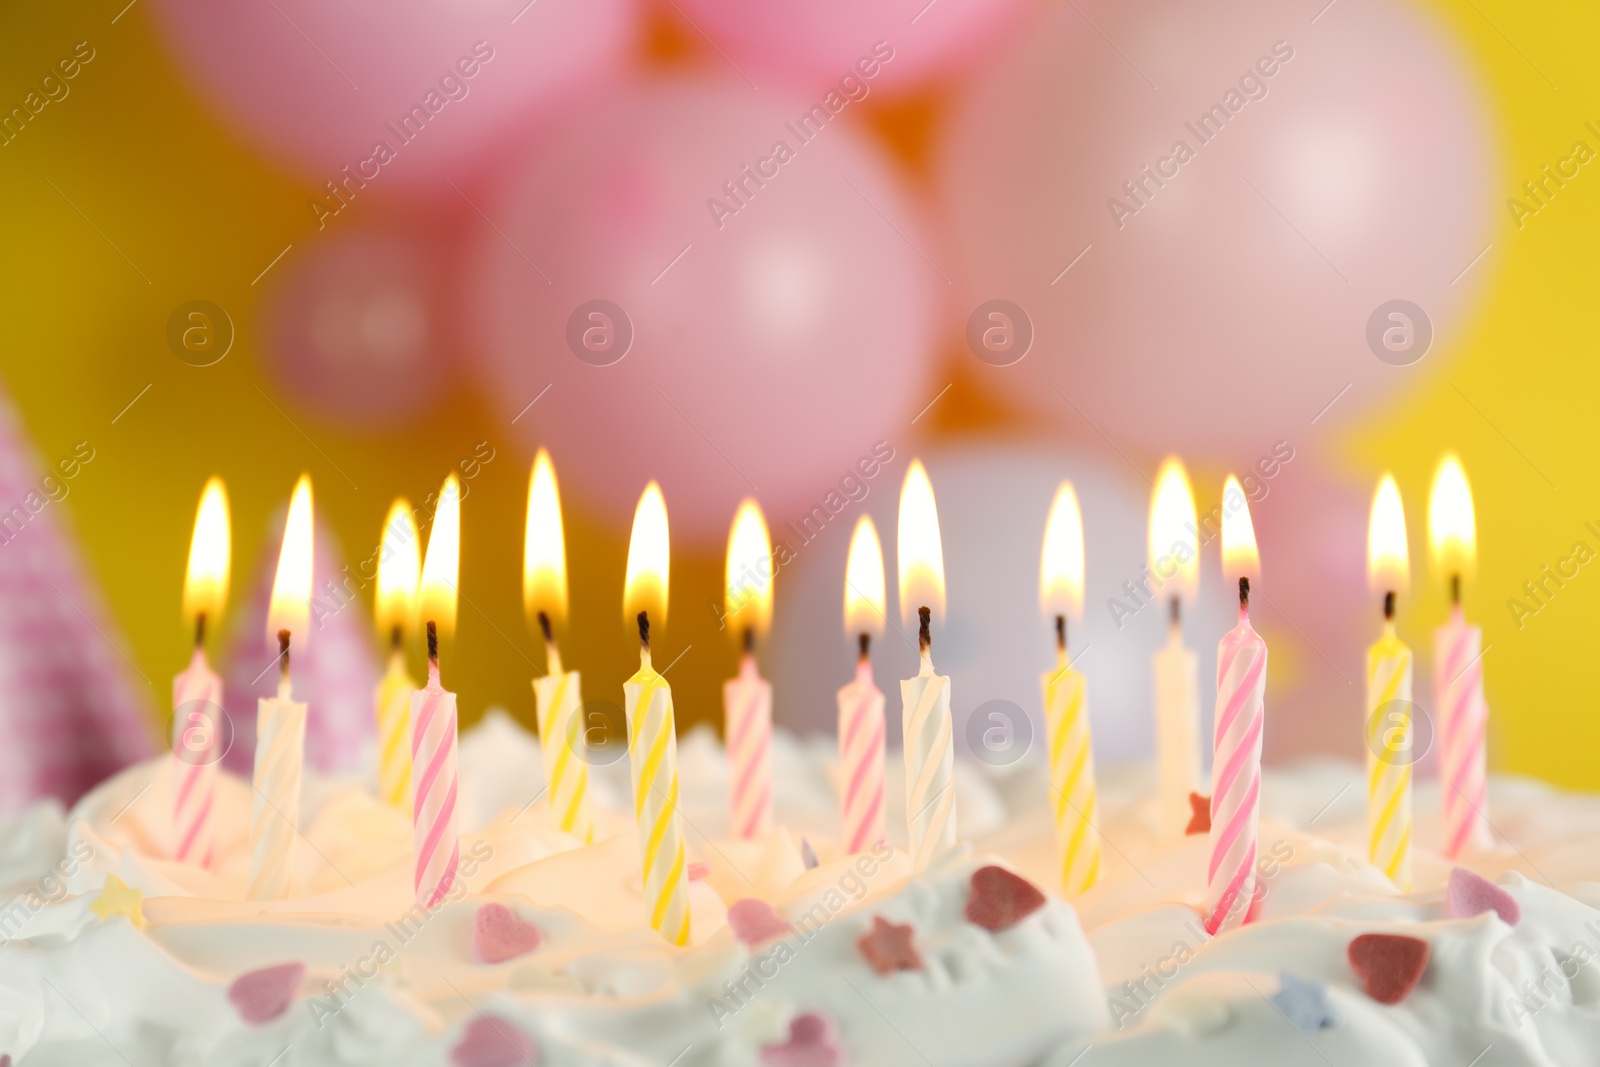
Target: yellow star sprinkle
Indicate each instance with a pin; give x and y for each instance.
(118, 899)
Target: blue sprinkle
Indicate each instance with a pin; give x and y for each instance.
(808, 855)
(1305, 1004)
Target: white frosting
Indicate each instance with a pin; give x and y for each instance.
(387, 985)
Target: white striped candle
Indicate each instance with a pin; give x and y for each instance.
(275, 806)
(930, 760)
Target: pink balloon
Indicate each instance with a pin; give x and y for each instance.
(762, 352)
(320, 84)
(881, 44)
(356, 330)
(1236, 284)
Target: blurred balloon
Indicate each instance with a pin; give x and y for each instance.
(854, 46)
(694, 321)
(1212, 263)
(356, 329)
(321, 84)
(334, 672)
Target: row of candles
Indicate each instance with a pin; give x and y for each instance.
(417, 727)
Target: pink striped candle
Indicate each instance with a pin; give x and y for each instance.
(1463, 717)
(1231, 885)
(433, 759)
(861, 760)
(196, 724)
(747, 704)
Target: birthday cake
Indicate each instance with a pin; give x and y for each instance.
(799, 956)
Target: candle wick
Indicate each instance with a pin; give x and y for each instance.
(433, 644)
(1176, 614)
(644, 631)
(283, 661)
(749, 640)
(397, 637)
(865, 641)
(544, 628)
(1061, 633)
(1244, 595)
(1388, 606)
(199, 629)
(1455, 590)
(924, 638)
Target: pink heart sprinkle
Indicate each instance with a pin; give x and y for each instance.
(813, 1042)
(261, 996)
(499, 935)
(1469, 894)
(490, 1041)
(754, 921)
(697, 871)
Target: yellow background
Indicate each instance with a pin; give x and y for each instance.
(127, 198)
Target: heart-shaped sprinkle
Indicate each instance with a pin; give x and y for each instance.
(499, 935)
(889, 948)
(261, 996)
(490, 1041)
(808, 855)
(1469, 894)
(1304, 1004)
(1200, 815)
(1390, 965)
(1000, 898)
(697, 871)
(813, 1042)
(754, 921)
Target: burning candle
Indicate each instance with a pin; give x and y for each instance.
(1066, 700)
(1175, 565)
(393, 613)
(1236, 762)
(197, 692)
(925, 698)
(747, 698)
(1389, 706)
(437, 844)
(652, 735)
(558, 695)
(1457, 665)
(861, 722)
(280, 720)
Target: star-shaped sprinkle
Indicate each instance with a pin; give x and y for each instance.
(808, 855)
(118, 899)
(889, 948)
(1305, 1004)
(1200, 819)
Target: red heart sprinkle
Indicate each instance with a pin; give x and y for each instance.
(1001, 898)
(1389, 964)
(261, 996)
(499, 935)
(1200, 820)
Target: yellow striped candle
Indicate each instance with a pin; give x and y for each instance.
(558, 695)
(1068, 742)
(652, 734)
(1389, 708)
(393, 613)
(280, 720)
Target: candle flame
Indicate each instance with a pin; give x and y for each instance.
(919, 548)
(864, 581)
(1452, 521)
(747, 594)
(544, 545)
(1061, 560)
(1174, 547)
(399, 571)
(290, 608)
(205, 585)
(1388, 559)
(441, 566)
(649, 560)
(1240, 557)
